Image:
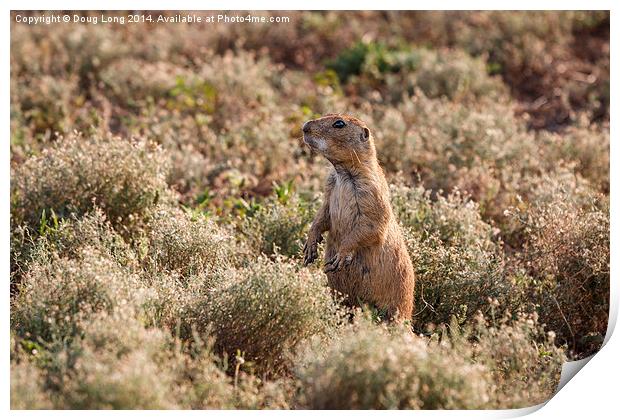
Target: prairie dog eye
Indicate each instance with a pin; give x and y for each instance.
(339, 124)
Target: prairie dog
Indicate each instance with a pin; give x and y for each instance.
(366, 256)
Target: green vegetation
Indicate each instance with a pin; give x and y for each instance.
(160, 198)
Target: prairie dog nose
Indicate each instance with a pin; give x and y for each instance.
(306, 127)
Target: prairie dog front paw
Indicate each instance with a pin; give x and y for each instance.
(338, 262)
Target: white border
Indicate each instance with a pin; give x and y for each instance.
(593, 393)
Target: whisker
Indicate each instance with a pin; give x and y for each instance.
(357, 157)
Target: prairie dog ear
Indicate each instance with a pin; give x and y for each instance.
(365, 134)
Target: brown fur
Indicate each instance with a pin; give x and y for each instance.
(366, 257)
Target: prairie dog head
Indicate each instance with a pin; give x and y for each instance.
(340, 138)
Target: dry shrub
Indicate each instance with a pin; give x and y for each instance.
(232, 108)
(92, 230)
(78, 49)
(279, 226)
(266, 136)
(566, 252)
(173, 297)
(103, 382)
(523, 359)
(124, 179)
(202, 382)
(305, 42)
(56, 297)
(457, 75)
(266, 310)
(484, 151)
(489, 364)
(398, 71)
(458, 261)
(587, 147)
(72, 57)
(177, 302)
(186, 243)
(239, 80)
(117, 363)
(136, 83)
(45, 106)
(65, 239)
(117, 368)
(27, 392)
(187, 140)
(369, 367)
(572, 75)
(185, 256)
(562, 182)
